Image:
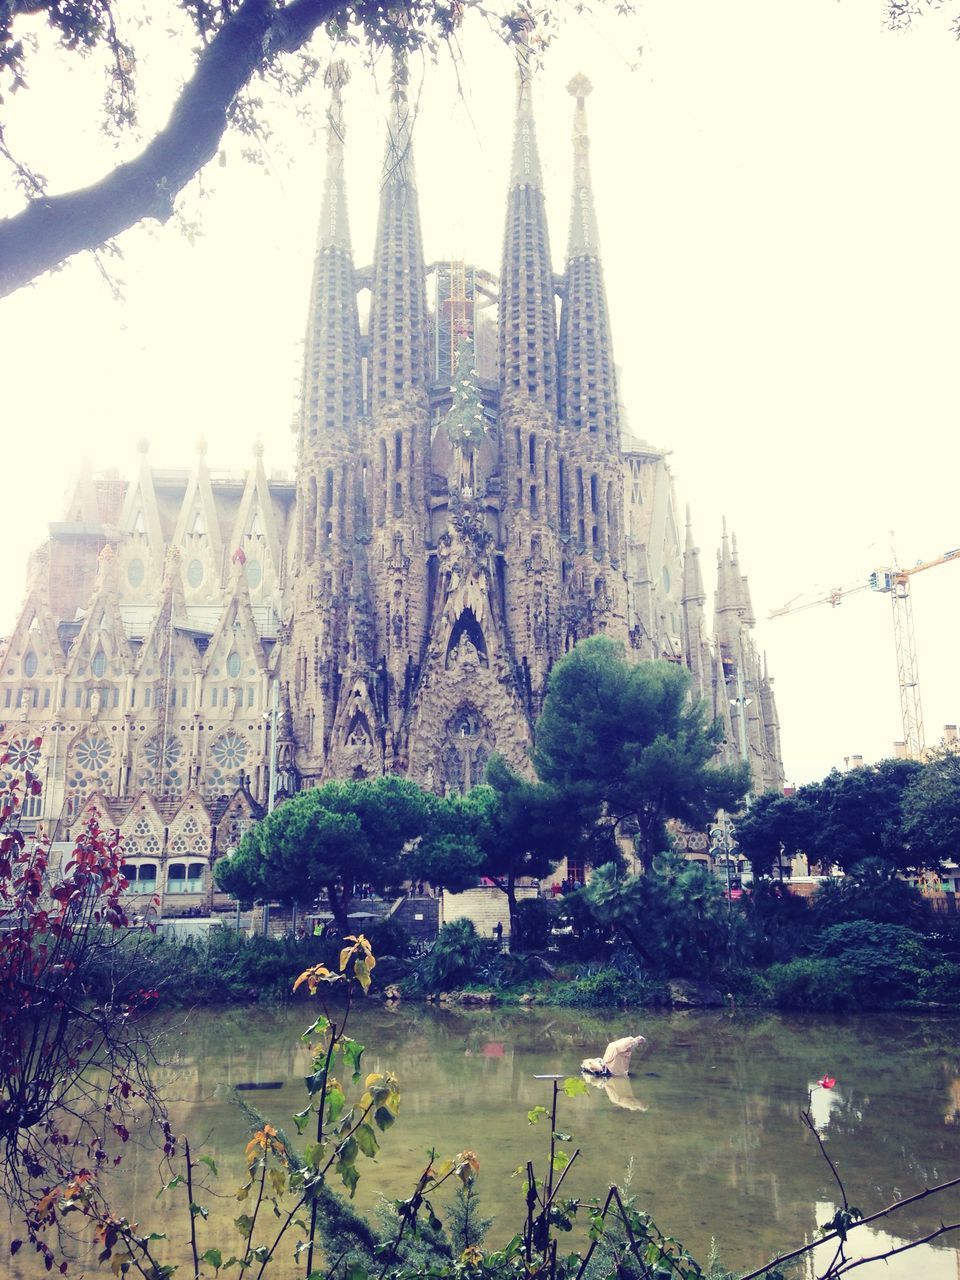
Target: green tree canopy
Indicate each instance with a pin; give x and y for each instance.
(325, 840)
(899, 815)
(625, 744)
(931, 811)
(521, 828)
(859, 814)
(774, 823)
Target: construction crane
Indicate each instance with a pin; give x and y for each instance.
(896, 584)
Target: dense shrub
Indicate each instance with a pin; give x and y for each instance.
(870, 892)
(458, 957)
(811, 983)
(535, 920)
(222, 967)
(885, 963)
(778, 922)
(388, 938)
(858, 964)
(674, 919)
(621, 984)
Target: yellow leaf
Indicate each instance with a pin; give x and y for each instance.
(345, 955)
(44, 1203)
(362, 975)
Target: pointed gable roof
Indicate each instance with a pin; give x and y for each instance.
(255, 513)
(36, 625)
(141, 512)
(198, 510)
(236, 610)
(156, 641)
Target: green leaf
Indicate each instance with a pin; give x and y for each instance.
(347, 1153)
(335, 1101)
(350, 1176)
(313, 1154)
(573, 1086)
(367, 1140)
(384, 1117)
(534, 1115)
(561, 1137)
(320, 1026)
(214, 1257)
(211, 1165)
(199, 1211)
(351, 1055)
(177, 1181)
(314, 1083)
(302, 1118)
(560, 1160)
(243, 1224)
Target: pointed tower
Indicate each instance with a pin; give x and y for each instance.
(400, 423)
(329, 458)
(528, 327)
(531, 467)
(696, 649)
(726, 607)
(589, 413)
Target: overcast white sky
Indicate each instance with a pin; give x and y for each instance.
(777, 190)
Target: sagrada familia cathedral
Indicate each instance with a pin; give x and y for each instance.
(467, 506)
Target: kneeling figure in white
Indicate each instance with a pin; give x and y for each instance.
(616, 1058)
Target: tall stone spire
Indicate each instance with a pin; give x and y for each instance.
(528, 337)
(330, 399)
(696, 648)
(329, 446)
(588, 379)
(398, 304)
(693, 591)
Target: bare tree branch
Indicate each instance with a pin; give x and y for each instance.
(53, 228)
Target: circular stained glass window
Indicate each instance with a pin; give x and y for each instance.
(23, 753)
(194, 573)
(93, 753)
(171, 753)
(135, 573)
(30, 663)
(233, 664)
(230, 750)
(254, 574)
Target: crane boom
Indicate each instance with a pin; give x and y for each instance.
(894, 582)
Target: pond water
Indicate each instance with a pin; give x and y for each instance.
(706, 1131)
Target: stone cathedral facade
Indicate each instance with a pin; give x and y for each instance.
(467, 506)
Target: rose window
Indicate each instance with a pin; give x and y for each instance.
(163, 767)
(155, 748)
(22, 754)
(93, 754)
(230, 750)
